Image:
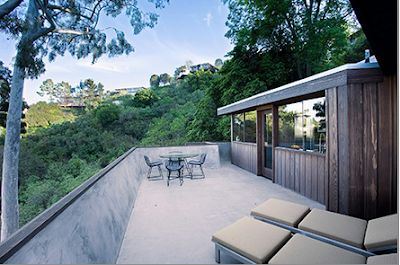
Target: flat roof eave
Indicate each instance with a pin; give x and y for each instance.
(313, 84)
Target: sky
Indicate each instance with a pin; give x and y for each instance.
(186, 30)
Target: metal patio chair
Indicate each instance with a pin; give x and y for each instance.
(199, 163)
(151, 165)
(174, 166)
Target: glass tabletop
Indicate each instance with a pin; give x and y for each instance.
(178, 155)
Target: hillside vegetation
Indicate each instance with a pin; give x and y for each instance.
(62, 147)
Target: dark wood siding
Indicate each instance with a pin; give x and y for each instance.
(303, 172)
(362, 148)
(244, 155)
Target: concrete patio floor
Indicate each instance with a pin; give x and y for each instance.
(174, 225)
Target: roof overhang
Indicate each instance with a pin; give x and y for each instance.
(349, 73)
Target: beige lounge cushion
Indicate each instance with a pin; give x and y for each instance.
(382, 232)
(340, 227)
(284, 212)
(304, 250)
(253, 239)
(383, 259)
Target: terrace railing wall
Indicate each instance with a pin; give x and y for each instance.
(88, 225)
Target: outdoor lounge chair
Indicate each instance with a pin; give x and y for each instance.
(344, 231)
(252, 241)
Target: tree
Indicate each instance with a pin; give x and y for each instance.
(145, 97)
(48, 88)
(5, 87)
(154, 80)
(312, 32)
(107, 114)
(218, 63)
(91, 93)
(164, 78)
(55, 91)
(50, 28)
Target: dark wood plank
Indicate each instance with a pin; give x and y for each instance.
(343, 145)
(356, 150)
(284, 168)
(302, 175)
(371, 151)
(333, 151)
(308, 176)
(297, 172)
(395, 143)
(385, 148)
(358, 76)
(314, 177)
(260, 140)
(291, 170)
(244, 155)
(321, 180)
(275, 132)
(278, 171)
(395, 107)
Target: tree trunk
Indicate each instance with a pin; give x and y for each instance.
(299, 70)
(9, 185)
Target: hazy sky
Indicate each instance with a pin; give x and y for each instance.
(186, 30)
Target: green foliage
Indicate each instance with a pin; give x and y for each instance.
(144, 98)
(55, 91)
(199, 80)
(107, 114)
(42, 115)
(309, 34)
(355, 52)
(91, 93)
(155, 81)
(165, 78)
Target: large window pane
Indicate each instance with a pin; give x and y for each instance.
(315, 126)
(290, 125)
(238, 126)
(302, 125)
(250, 126)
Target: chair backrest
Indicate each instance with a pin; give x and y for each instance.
(203, 158)
(147, 160)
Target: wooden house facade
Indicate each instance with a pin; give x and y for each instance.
(331, 137)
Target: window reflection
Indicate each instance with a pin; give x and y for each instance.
(302, 125)
(238, 126)
(245, 127)
(250, 126)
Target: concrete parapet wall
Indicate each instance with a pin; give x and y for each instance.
(212, 150)
(223, 147)
(86, 226)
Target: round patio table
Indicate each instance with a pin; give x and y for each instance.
(180, 157)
